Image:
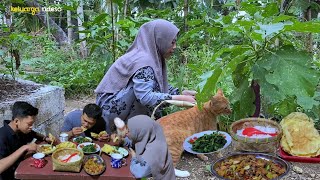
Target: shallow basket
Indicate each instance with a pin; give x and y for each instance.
(267, 145)
(70, 167)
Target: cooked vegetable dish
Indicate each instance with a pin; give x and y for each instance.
(209, 143)
(249, 168)
(81, 139)
(89, 148)
(93, 167)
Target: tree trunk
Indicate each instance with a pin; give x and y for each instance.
(125, 8)
(83, 48)
(69, 24)
(113, 33)
(8, 16)
(183, 59)
(309, 36)
(185, 14)
(57, 32)
(60, 18)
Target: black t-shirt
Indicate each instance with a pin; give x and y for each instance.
(97, 128)
(9, 143)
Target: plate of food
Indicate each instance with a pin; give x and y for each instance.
(207, 142)
(250, 166)
(89, 148)
(81, 139)
(108, 149)
(66, 144)
(46, 149)
(94, 165)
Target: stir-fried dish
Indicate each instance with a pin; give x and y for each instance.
(93, 166)
(89, 148)
(46, 149)
(208, 143)
(249, 168)
(81, 139)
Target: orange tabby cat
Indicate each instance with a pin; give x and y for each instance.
(182, 124)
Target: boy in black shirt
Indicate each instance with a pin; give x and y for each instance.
(15, 136)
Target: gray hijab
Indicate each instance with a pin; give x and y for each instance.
(150, 145)
(153, 40)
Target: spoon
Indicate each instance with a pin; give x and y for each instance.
(249, 131)
(66, 160)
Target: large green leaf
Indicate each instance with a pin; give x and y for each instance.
(288, 73)
(268, 29)
(249, 8)
(207, 87)
(270, 10)
(100, 18)
(287, 106)
(269, 91)
(313, 27)
(281, 18)
(242, 99)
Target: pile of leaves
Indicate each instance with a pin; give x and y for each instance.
(209, 143)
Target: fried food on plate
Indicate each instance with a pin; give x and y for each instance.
(108, 149)
(66, 144)
(300, 137)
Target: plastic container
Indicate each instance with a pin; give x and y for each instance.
(289, 157)
(63, 137)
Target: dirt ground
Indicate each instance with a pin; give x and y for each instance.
(10, 90)
(197, 168)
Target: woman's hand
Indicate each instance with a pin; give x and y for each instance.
(132, 152)
(189, 92)
(187, 98)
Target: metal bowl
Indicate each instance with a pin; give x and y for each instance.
(98, 159)
(268, 157)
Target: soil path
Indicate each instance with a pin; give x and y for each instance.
(189, 162)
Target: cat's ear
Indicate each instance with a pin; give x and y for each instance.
(220, 92)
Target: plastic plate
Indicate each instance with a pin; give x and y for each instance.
(82, 145)
(188, 147)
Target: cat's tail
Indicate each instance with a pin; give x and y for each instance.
(180, 173)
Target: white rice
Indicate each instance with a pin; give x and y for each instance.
(72, 159)
(266, 129)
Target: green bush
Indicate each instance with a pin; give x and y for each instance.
(64, 68)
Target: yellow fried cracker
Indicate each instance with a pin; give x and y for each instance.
(94, 135)
(300, 138)
(102, 133)
(83, 129)
(51, 137)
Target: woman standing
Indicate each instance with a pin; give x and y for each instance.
(137, 81)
